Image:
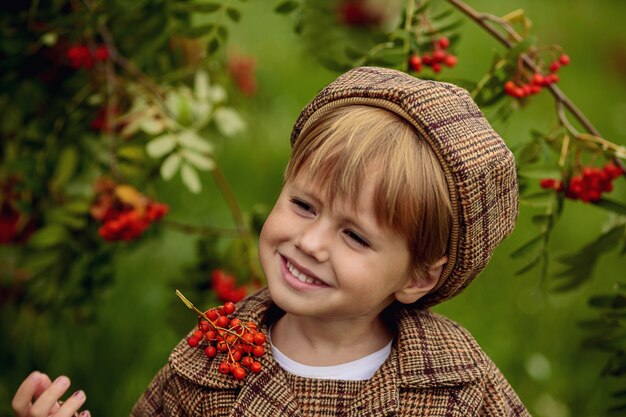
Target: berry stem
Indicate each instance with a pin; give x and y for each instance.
(190, 305)
(482, 20)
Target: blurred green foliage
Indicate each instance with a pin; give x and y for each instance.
(127, 318)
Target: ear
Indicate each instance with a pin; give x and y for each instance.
(418, 285)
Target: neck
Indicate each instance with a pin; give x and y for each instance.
(322, 342)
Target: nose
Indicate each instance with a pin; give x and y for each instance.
(314, 240)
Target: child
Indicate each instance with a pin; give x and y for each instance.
(396, 193)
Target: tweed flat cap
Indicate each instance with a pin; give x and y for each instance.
(479, 168)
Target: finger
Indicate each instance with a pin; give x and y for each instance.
(22, 399)
(48, 399)
(42, 385)
(72, 404)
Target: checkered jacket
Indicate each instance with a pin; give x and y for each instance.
(435, 368)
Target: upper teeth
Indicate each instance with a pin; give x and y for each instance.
(302, 276)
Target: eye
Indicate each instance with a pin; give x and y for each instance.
(302, 205)
(358, 239)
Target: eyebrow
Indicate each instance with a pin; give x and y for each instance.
(350, 221)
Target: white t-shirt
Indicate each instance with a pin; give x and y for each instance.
(359, 370)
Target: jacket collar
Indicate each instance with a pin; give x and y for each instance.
(429, 351)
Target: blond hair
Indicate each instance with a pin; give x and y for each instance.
(335, 152)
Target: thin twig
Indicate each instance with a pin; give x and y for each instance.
(482, 20)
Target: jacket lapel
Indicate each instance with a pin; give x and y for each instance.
(380, 396)
(260, 395)
(429, 351)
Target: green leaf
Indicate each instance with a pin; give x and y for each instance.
(198, 160)
(611, 205)
(530, 153)
(41, 261)
(170, 166)
(65, 168)
(196, 32)
(443, 14)
(608, 301)
(529, 266)
(190, 139)
(527, 247)
(191, 178)
(521, 48)
(203, 7)
(541, 219)
(213, 46)
(161, 146)
(234, 14)
(77, 206)
(131, 152)
(353, 53)
(48, 236)
(445, 28)
(286, 6)
(538, 173)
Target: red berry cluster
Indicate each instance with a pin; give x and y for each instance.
(589, 185)
(124, 211)
(360, 13)
(436, 59)
(130, 223)
(537, 81)
(241, 342)
(100, 122)
(241, 70)
(80, 56)
(225, 286)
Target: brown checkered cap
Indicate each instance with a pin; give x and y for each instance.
(479, 168)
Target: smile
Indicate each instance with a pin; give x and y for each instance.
(301, 276)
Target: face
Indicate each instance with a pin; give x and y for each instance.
(331, 263)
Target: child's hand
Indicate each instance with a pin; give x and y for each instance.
(46, 395)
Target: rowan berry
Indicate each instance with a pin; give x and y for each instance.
(211, 335)
(222, 321)
(246, 361)
(538, 79)
(102, 53)
(210, 351)
(256, 367)
(450, 61)
(259, 339)
(222, 346)
(248, 337)
(198, 334)
(548, 183)
(258, 351)
(564, 59)
(204, 326)
(211, 314)
(416, 63)
(239, 372)
(236, 355)
(554, 67)
(224, 368)
(443, 42)
(193, 341)
(229, 308)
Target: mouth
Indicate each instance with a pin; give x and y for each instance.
(302, 276)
